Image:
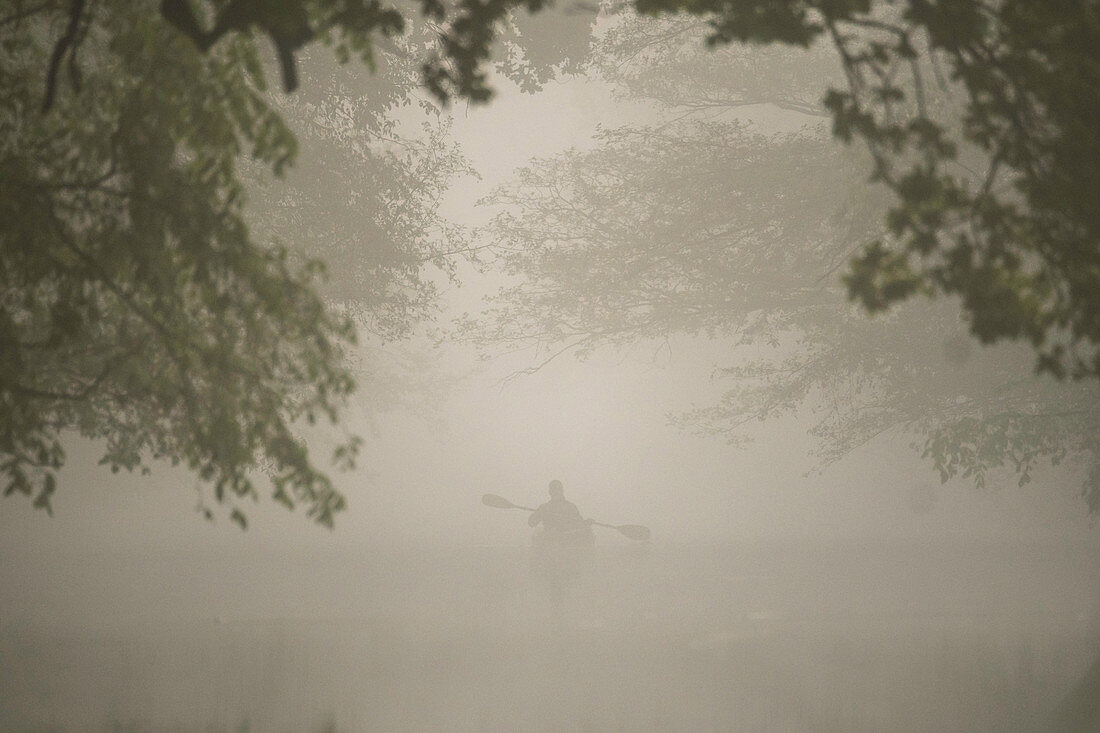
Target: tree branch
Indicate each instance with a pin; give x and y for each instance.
(67, 43)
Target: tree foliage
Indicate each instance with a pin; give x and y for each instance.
(363, 196)
(144, 303)
(663, 61)
(136, 308)
(662, 230)
(135, 294)
(703, 225)
(995, 200)
(537, 47)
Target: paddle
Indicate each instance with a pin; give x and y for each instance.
(500, 502)
(633, 531)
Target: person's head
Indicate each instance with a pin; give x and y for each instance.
(556, 490)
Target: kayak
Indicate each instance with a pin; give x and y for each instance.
(561, 555)
(581, 537)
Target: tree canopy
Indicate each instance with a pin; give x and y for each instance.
(144, 304)
(702, 224)
(137, 309)
(995, 187)
(141, 306)
(977, 117)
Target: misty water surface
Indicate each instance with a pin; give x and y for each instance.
(784, 636)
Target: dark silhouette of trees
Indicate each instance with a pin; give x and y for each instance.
(139, 308)
(977, 117)
(145, 303)
(703, 225)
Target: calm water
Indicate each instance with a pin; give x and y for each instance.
(841, 637)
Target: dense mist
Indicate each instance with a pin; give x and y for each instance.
(622, 274)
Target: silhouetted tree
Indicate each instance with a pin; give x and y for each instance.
(144, 304)
(706, 226)
(132, 285)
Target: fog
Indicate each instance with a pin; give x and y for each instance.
(779, 591)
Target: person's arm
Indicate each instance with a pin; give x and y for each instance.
(535, 518)
(578, 517)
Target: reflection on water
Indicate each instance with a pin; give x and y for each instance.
(781, 638)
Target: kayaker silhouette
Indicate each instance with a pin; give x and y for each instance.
(559, 515)
(561, 520)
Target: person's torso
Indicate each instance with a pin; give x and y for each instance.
(561, 516)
